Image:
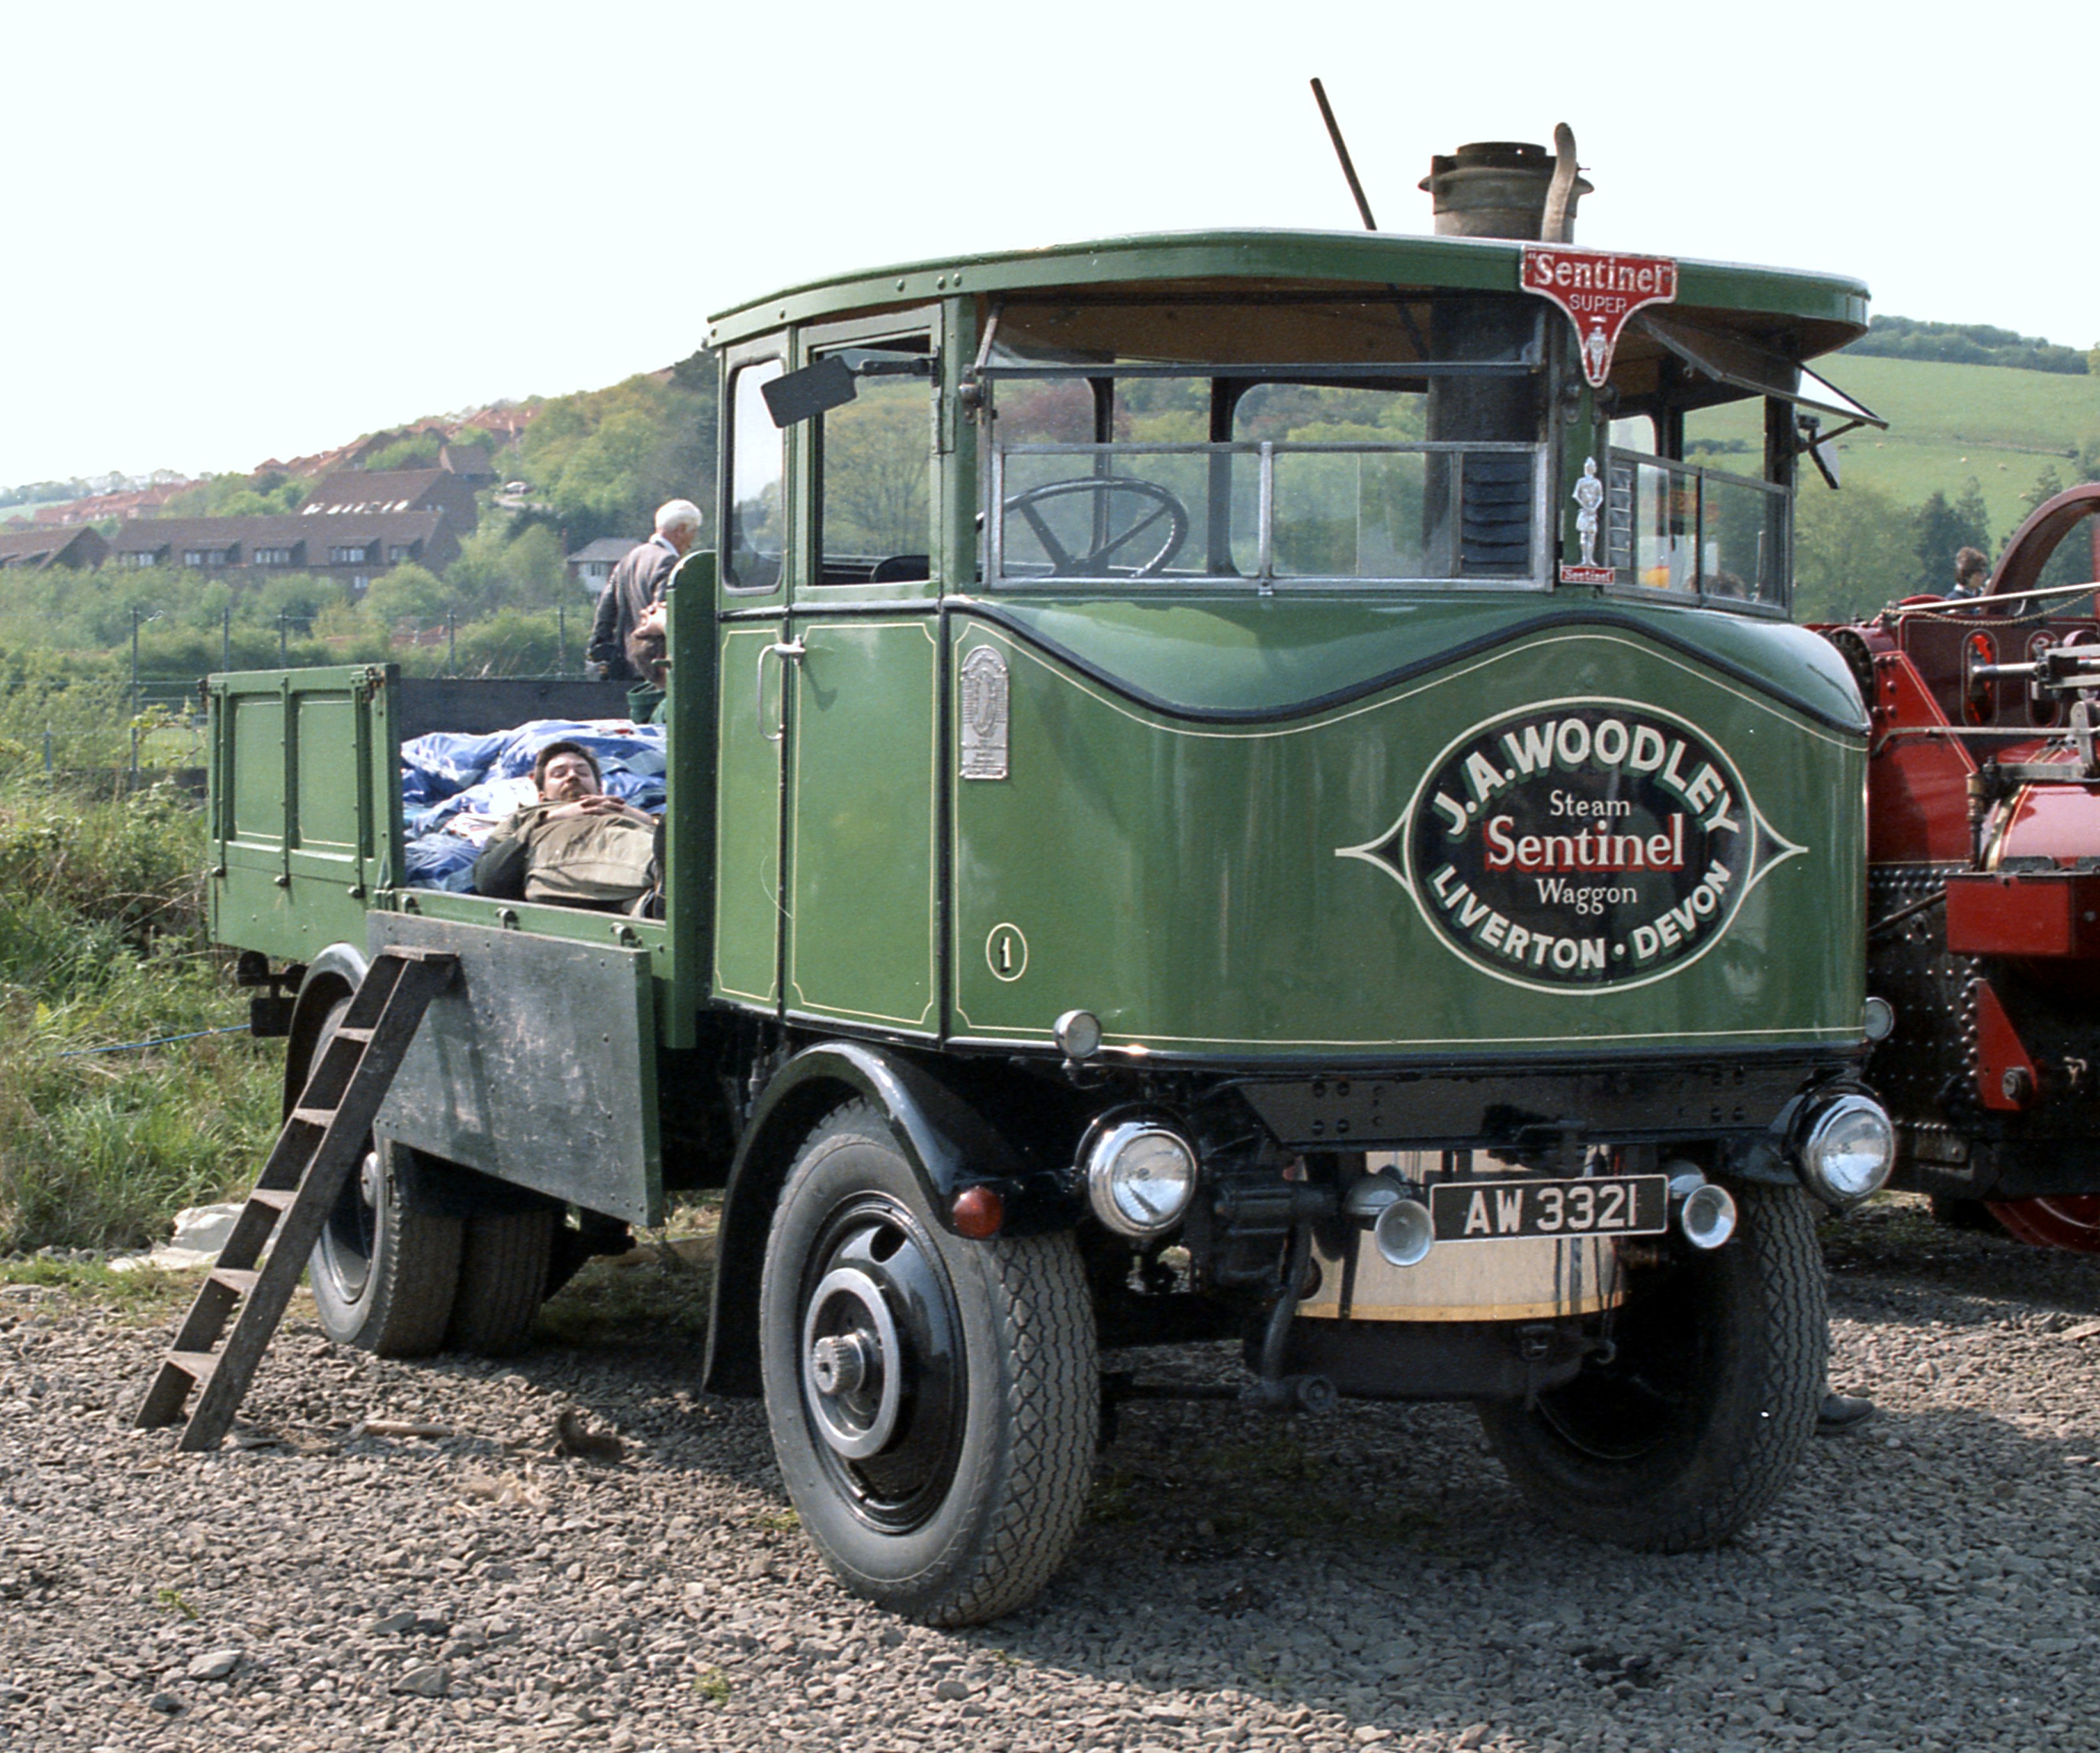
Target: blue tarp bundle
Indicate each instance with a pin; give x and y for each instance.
(447, 772)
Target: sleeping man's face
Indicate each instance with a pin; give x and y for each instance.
(568, 778)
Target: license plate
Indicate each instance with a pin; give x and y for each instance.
(1489, 1211)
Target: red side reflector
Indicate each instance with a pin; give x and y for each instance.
(978, 1213)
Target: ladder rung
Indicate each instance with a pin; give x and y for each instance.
(348, 1034)
(279, 1199)
(196, 1365)
(234, 1278)
(314, 1116)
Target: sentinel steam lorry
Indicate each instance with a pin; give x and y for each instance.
(1229, 785)
(1984, 851)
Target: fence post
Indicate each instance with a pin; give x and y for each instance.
(284, 661)
(562, 639)
(226, 639)
(452, 642)
(134, 757)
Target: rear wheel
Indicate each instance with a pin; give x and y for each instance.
(505, 1257)
(934, 1402)
(1696, 1423)
(385, 1268)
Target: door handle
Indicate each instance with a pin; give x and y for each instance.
(783, 649)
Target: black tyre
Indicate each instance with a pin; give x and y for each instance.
(1698, 1421)
(384, 1270)
(505, 1257)
(934, 1402)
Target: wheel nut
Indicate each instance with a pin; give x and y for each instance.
(837, 1364)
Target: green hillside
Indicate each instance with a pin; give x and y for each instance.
(1947, 422)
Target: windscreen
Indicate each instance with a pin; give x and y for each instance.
(1348, 442)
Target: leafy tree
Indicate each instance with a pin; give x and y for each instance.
(1853, 551)
(1973, 511)
(877, 465)
(1966, 344)
(419, 450)
(1942, 531)
(408, 592)
(607, 458)
(495, 571)
(268, 494)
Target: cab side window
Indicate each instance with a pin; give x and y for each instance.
(875, 482)
(753, 538)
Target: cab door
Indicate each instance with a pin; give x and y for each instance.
(863, 750)
(752, 698)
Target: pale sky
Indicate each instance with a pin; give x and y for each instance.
(243, 230)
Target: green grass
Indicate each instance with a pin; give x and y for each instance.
(1947, 423)
(102, 947)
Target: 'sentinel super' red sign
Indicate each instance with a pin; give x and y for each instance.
(1598, 290)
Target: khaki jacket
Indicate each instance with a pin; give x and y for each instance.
(582, 861)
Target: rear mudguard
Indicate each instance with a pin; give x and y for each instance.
(336, 972)
(948, 1142)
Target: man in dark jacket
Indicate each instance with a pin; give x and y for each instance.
(637, 581)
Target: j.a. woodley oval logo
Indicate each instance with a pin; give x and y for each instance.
(1582, 845)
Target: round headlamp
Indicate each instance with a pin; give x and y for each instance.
(1849, 1150)
(1877, 1019)
(1140, 1176)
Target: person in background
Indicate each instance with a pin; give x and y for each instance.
(637, 581)
(649, 653)
(1972, 571)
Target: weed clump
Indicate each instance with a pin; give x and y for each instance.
(102, 945)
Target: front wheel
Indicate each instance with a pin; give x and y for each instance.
(1697, 1422)
(934, 1402)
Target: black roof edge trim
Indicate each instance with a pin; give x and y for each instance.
(1392, 678)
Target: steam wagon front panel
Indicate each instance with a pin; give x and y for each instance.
(1343, 830)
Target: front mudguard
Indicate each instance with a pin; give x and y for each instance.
(947, 1140)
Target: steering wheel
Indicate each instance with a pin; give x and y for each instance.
(1165, 510)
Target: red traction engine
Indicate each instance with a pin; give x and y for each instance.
(1984, 886)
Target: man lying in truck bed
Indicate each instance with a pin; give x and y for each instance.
(576, 847)
(458, 786)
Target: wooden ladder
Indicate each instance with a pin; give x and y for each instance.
(316, 1153)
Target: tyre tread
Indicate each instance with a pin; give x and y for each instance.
(504, 1261)
(1722, 1492)
(1038, 1479)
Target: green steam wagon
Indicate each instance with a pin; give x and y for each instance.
(1240, 785)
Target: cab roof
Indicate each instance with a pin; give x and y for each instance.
(1817, 312)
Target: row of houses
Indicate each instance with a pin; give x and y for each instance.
(355, 525)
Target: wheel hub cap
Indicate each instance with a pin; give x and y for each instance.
(851, 1379)
(367, 1179)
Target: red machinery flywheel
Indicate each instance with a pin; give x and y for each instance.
(2071, 1221)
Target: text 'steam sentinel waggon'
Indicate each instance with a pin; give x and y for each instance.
(1238, 784)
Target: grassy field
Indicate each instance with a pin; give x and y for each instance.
(1947, 423)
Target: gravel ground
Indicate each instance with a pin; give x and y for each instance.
(1367, 1579)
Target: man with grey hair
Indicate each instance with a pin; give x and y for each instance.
(637, 581)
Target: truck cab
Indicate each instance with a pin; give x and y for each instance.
(1228, 785)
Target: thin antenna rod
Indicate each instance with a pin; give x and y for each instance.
(1342, 152)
